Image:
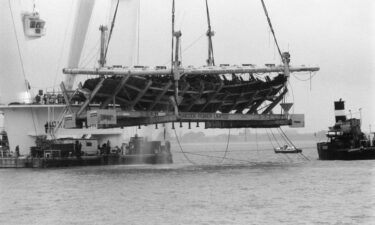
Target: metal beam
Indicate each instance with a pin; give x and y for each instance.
(247, 124)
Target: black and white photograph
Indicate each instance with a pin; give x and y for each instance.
(187, 112)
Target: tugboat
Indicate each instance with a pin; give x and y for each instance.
(346, 141)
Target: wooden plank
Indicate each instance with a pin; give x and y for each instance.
(199, 95)
(275, 102)
(213, 96)
(66, 97)
(140, 94)
(160, 96)
(254, 108)
(115, 93)
(187, 71)
(92, 95)
(249, 102)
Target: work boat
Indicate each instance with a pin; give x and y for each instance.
(72, 126)
(346, 141)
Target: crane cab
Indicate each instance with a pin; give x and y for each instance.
(34, 27)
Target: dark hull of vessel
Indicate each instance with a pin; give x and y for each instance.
(103, 160)
(288, 151)
(327, 151)
(199, 93)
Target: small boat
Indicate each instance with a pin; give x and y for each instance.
(287, 149)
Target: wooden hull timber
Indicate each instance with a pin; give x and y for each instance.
(220, 97)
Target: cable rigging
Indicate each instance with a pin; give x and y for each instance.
(111, 30)
(271, 28)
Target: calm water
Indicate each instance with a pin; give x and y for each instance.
(252, 187)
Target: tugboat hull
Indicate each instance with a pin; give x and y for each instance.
(327, 151)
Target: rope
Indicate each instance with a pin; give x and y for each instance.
(138, 30)
(288, 140)
(308, 79)
(275, 138)
(271, 28)
(269, 138)
(179, 144)
(63, 45)
(280, 146)
(112, 26)
(21, 61)
(91, 54)
(226, 149)
(218, 157)
(291, 88)
(188, 47)
(256, 141)
(208, 156)
(18, 47)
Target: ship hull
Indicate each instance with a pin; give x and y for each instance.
(33, 162)
(327, 151)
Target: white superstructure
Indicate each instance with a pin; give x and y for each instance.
(19, 72)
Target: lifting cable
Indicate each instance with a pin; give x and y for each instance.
(308, 79)
(256, 141)
(112, 26)
(271, 28)
(208, 156)
(179, 144)
(226, 149)
(63, 45)
(27, 85)
(290, 160)
(288, 140)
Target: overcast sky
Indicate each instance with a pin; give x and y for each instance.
(337, 35)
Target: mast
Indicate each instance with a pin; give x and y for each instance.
(285, 56)
(176, 59)
(210, 33)
(103, 45)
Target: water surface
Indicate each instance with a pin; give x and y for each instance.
(252, 186)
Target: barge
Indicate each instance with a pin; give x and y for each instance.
(85, 152)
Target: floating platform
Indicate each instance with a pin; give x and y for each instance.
(30, 162)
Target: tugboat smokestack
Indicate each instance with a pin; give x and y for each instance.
(340, 111)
